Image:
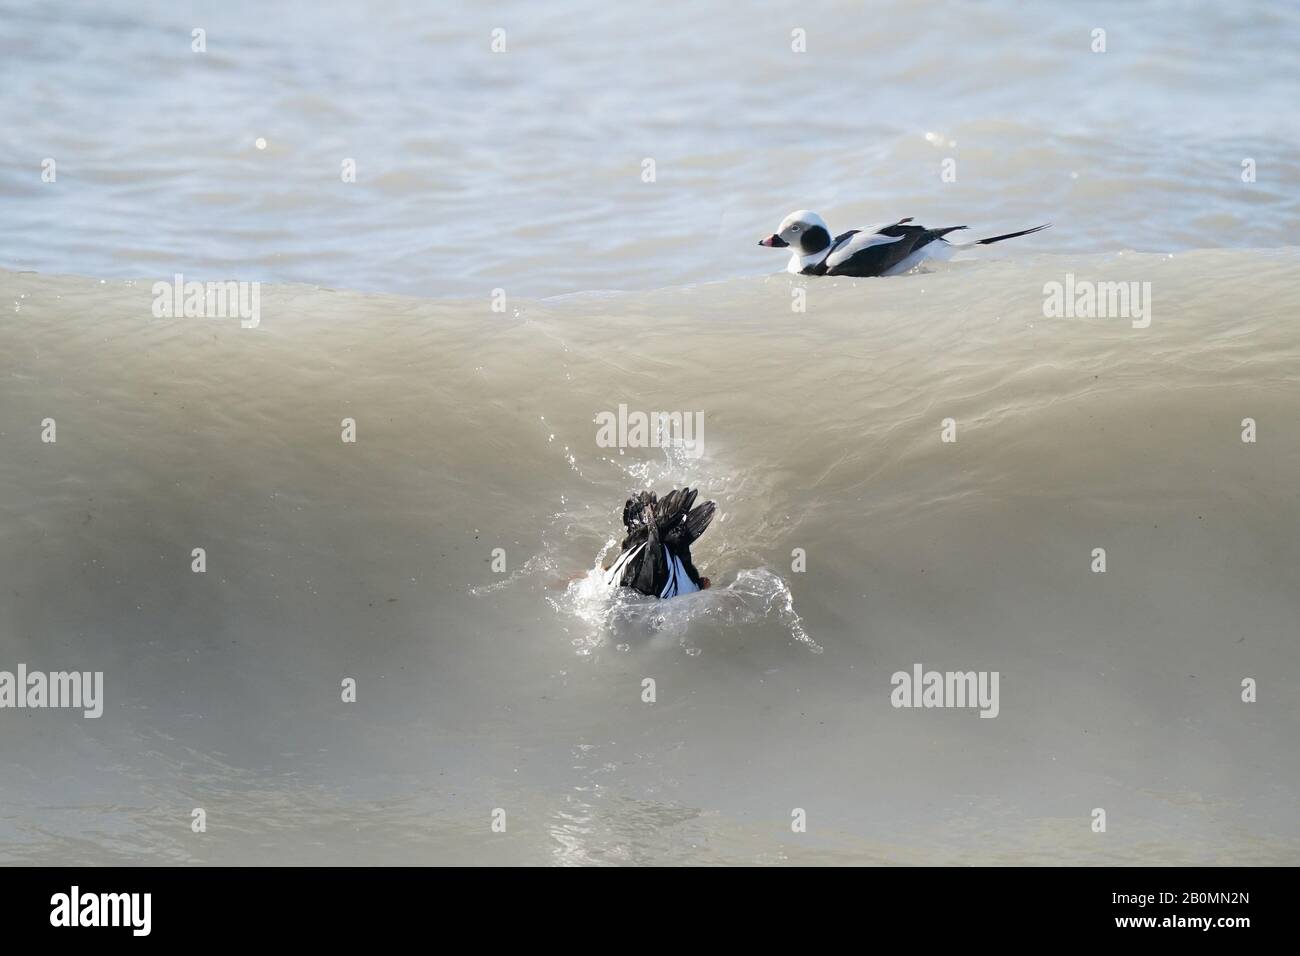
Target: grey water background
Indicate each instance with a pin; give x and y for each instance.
(522, 171)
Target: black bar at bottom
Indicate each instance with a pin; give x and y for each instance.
(334, 905)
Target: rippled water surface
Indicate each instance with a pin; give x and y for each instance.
(523, 170)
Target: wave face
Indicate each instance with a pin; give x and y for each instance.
(522, 688)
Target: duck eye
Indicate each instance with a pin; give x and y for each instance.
(794, 228)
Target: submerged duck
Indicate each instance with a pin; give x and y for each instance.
(655, 557)
(891, 250)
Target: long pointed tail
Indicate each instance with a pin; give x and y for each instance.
(1009, 235)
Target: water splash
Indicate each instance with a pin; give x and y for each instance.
(618, 616)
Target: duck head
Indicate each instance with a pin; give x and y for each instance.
(803, 231)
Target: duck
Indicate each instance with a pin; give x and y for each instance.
(655, 556)
(875, 251)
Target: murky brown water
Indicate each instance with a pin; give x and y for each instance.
(479, 690)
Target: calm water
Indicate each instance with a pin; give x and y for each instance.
(522, 690)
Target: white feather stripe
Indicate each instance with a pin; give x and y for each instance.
(616, 571)
(855, 244)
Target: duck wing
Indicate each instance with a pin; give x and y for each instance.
(697, 522)
(648, 571)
